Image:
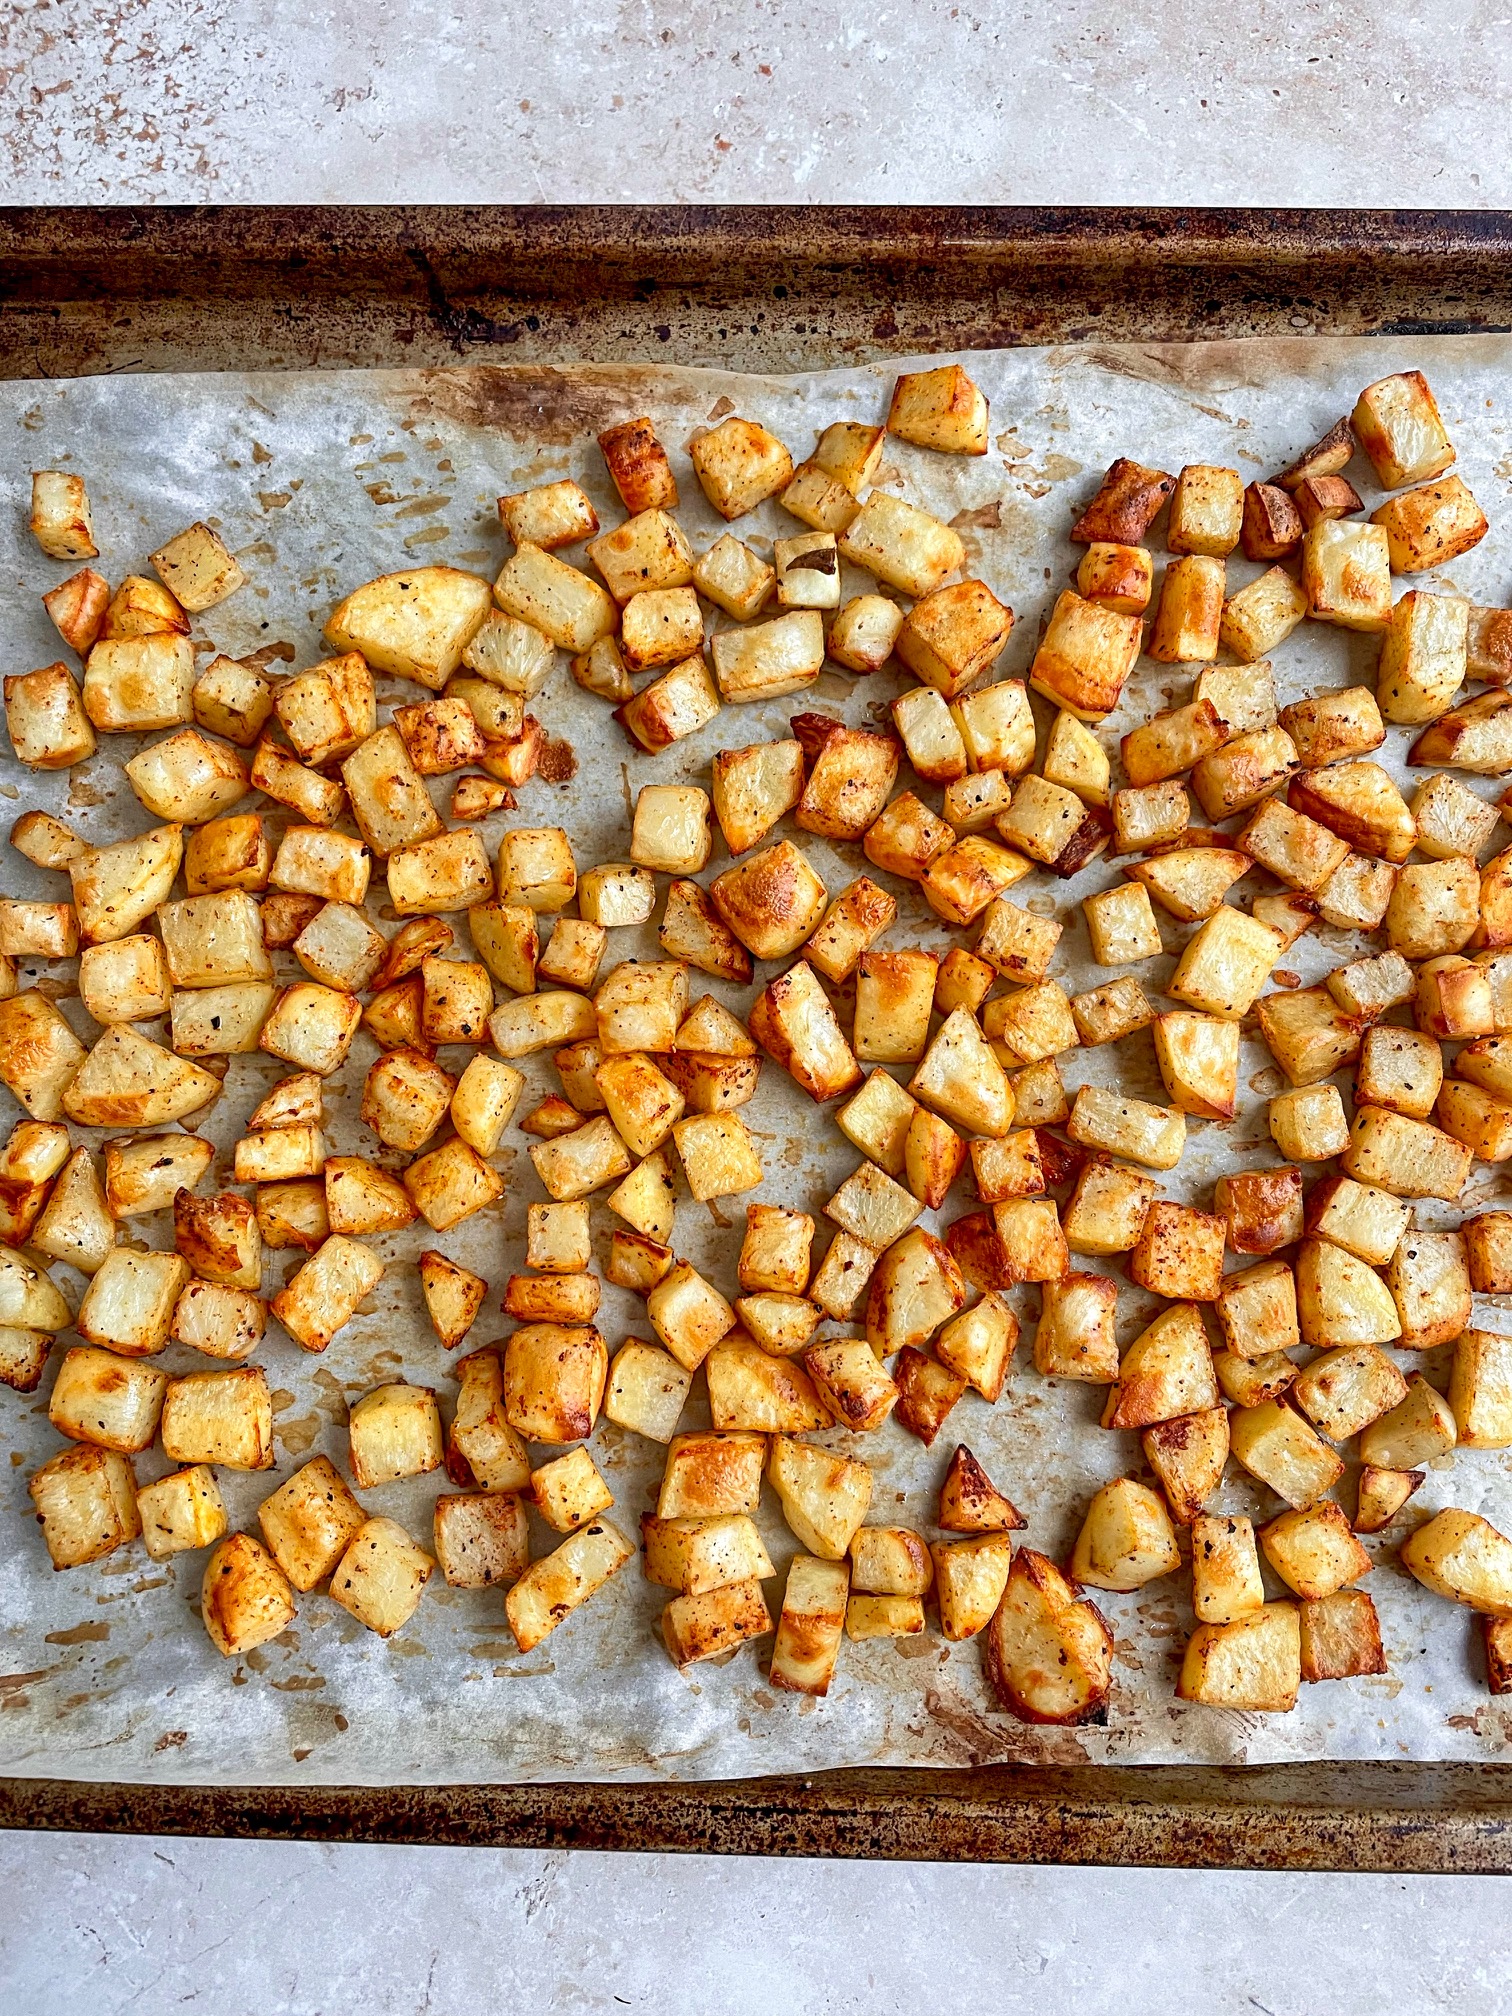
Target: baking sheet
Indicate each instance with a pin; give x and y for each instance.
(318, 481)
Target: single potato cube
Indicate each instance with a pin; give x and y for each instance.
(245, 1597)
(86, 1505)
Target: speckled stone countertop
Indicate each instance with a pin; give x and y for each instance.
(130, 101)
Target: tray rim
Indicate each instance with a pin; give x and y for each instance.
(1403, 1817)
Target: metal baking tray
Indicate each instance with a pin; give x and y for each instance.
(93, 291)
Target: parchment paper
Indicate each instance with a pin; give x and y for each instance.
(319, 481)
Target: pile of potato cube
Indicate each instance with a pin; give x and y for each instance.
(941, 1070)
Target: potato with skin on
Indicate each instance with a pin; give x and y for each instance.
(1464, 1557)
(1049, 1656)
(1271, 525)
(970, 1502)
(1253, 1663)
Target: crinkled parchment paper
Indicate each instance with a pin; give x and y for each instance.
(319, 481)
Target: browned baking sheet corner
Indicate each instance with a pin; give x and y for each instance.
(89, 291)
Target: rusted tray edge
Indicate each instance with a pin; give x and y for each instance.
(1389, 1818)
(86, 290)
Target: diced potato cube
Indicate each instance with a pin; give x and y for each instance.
(245, 1597)
(1253, 1663)
(220, 1417)
(1462, 1556)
